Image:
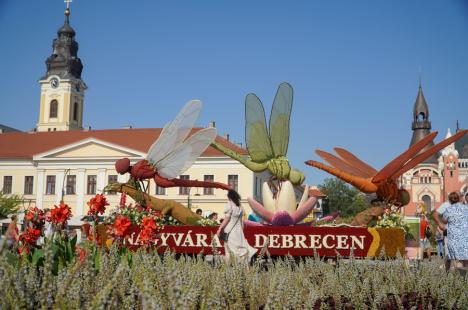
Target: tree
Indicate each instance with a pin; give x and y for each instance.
(9, 204)
(341, 197)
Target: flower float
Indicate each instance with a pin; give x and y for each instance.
(280, 209)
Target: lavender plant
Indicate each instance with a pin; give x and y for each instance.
(151, 281)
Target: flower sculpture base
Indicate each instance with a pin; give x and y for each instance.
(325, 241)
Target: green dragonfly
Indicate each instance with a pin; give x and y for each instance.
(268, 148)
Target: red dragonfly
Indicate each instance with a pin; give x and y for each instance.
(354, 171)
(173, 153)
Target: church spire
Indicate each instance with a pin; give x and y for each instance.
(62, 89)
(64, 61)
(421, 125)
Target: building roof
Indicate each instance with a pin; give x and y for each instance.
(24, 145)
(4, 129)
(316, 192)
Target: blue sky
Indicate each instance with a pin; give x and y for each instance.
(354, 66)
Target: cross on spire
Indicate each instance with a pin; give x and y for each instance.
(68, 3)
(420, 78)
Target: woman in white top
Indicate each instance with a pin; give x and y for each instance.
(233, 225)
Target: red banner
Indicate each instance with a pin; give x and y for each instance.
(292, 240)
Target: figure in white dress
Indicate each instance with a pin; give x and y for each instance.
(233, 225)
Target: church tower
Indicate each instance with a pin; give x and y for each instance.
(62, 89)
(421, 125)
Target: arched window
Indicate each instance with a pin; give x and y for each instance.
(53, 109)
(421, 117)
(428, 202)
(75, 111)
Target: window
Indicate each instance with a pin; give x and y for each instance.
(208, 178)
(75, 111)
(91, 188)
(233, 181)
(112, 179)
(71, 185)
(28, 185)
(7, 184)
(160, 190)
(50, 185)
(53, 109)
(184, 190)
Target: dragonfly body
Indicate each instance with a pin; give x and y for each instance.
(383, 183)
(267, 147)
(173, 152)
(143, 170)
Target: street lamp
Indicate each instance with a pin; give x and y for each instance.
(63, 183)
(189, 200)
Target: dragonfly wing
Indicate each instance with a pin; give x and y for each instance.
(280, 118)
(423, 156)
(174, 133)
(354, 161)
(256, 134)
(398, 162)
(340, 164)
(181, 158)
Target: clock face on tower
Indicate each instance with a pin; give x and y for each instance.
(54, 83)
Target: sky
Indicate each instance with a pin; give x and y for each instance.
(354, 66)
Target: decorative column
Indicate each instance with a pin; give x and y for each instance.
(60, 177)
(39, 188)
(101, 180)
(80, 191)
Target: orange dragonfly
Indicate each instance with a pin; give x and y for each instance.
(354, 171)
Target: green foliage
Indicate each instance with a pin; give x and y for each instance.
(112, 279)
(9, 204)
(342, 197)
(62, 254)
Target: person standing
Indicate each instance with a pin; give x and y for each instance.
(455, 220)
(233, 226)
(424, 235)
(12, 233)
(439, 237)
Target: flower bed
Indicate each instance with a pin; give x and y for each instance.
(140, 280)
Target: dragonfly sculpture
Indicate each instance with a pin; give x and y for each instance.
(174, 152)
(267, 148)
(383, 183)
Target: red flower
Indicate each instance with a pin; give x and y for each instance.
(23, 250)
(81, 254)
(123, 200)
(30, 236)
(149, 228)
(147, 235)
(122, 226)
(60, 214)
(149, 223)
(97, 204)
(35, 216)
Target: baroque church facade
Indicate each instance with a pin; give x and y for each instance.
(62, 161)
(430, 182)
